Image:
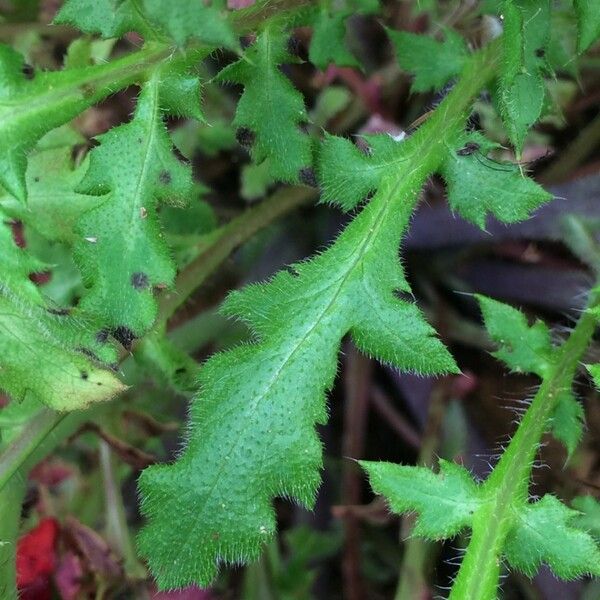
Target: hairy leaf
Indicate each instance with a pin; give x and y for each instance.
(545, 532)
(524, 348)
(478, 185)
(133, 169)
(567, 422)
(31, 106)
(43, 350)
(153, 19)
(594, 371)
(432, 63)
(53, 207)
(328, 43)
(185, 19)
(528, 349)
(270, 111)
(253, 423)
(521, 83)
(444, 502)
(588, 16)
(589, 517)
(348, 174)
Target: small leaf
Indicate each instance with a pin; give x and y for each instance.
(567, 422)
(444, 502)
(432, 63)
(276, 134)
(109, 18)
(545, 532)
(478, 185)
(524, 348)
(133, 169)
(588, 16)
(187, 19)
(521, 84)
(348, 175)
(594, 371)
(328, 43)
(589, 517)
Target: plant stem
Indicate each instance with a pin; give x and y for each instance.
(508, 484)
(11, 499)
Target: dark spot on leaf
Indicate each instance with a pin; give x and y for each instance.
(124, 336)
(165, 177)
(87, 352)
(102, 336)
(140, 281)
(540, 53)
(84, 375)
(468, 149)
(139, 140)
(245, 137)
(61, 312)
(180, 370)
(28, 71)
(36, 179)
(307, 176)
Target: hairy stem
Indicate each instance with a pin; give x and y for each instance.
(508, 484)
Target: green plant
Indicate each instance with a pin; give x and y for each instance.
(251, 434)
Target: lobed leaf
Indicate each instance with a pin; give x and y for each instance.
(521, 84)
(432, 63)
(478, 186)
(252, 428)
(444, 502)
(528, 349)
(181, 20)
(347, 174)
(328, 42)
(544, 532)
(133, 169)
(523, 348)
(589, 515)
(31, 105)
(46, 351)
(274, 135)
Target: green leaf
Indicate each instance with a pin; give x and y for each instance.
(521, 84)
(190, 19)
(181, 20)
(524, 348)
(444, 502)
(347, 174)
(53, 207)
(544, 532)
(133, 169)
(589, 517)
(109, 18)
(275, 135)
(328, 42)
(253, 435)
(31, 107)
(594, 371)
(432, 63)
(478, 185)
(567, 422)
(53, 357)
(588, 16)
